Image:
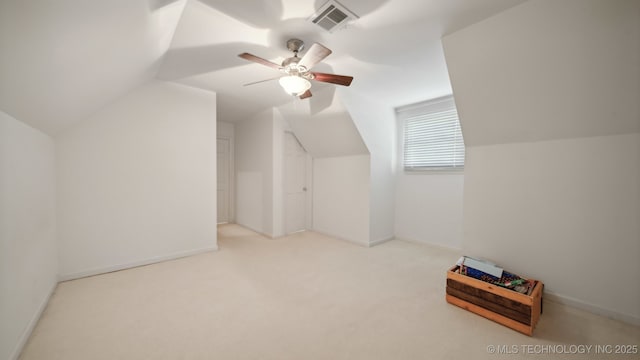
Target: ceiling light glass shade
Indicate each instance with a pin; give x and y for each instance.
(294, 85)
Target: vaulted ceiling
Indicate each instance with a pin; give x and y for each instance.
(61, 61)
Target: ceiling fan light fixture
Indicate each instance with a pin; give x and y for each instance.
(294, 85)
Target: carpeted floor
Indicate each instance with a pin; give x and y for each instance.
(304, 296)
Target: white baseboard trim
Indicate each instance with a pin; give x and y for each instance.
(380, 241)
(118, 267)
(594, 309)
(32, 324)
(440, 246)
(356, 242)
(259, 232)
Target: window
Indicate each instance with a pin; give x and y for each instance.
(432, 135)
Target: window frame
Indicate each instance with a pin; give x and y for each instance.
(405, 113)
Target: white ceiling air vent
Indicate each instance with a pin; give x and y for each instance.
(332, 16)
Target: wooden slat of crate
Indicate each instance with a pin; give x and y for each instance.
(490, 297)
(536, 308)
(484, 301)
(495, 307)
(515, 325)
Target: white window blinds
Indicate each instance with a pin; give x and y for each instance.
(432, 135)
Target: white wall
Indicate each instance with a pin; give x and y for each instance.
(28, 256)
(137, 181)
(564, 211)
(227, 131)
(254, 172)
(340, 139)
(341, 190)
(561, 202)
(429, 208)
(259, 167)
(277, 135)
(377, 126)
(330, 135)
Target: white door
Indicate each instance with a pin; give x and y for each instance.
(295, 185)
(224, 162)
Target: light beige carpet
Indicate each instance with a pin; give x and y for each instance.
(305, 296)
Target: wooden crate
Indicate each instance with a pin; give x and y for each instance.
(510, 308)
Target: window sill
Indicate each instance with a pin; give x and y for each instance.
(434, 171)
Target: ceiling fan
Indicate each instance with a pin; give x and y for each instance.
(298, 70)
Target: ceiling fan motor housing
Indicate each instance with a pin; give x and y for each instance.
(290, 65)
(295, 45)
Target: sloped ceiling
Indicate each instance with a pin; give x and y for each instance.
(576, 76)
(63, 60)
(393, 50)
(325, 132)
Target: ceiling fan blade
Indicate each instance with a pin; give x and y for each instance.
(332, 78)
(306, 94)
(261, 81)
(260, 60)
(314, 55)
